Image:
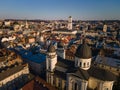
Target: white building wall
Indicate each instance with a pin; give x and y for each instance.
(70, 23)
(94, 83)
(51, 60)
(53, 63)
(83, 63)
(71, 80)
(106, 85)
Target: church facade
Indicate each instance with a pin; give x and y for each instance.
(80, 74)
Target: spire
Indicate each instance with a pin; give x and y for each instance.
(26, 24)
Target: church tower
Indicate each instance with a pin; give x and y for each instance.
(105, 28)
(26, 25)
(83, 56)
(51, 58)
(70, 23)
(61, 50)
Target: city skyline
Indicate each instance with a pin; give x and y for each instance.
(60, 9)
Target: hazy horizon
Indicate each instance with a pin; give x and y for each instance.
(60, 9)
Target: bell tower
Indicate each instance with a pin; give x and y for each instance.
(51, 58)
(70, 23)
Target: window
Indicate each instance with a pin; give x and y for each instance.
(64, 85)
(49, 65)
(84, 64)
(58, 82)
(88, 64)
(76, 86)
(72, 85)
(80, 64)
(54, 80)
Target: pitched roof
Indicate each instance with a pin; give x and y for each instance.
(101, 74)
(83, 74)
(10, 72)
(95, 72)
(65, 63)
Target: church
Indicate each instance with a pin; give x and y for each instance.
(80, 74)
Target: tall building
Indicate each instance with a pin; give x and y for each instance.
(26, 25)
(105, 28)
(70, 23)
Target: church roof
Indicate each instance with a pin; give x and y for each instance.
(95, 72)
(10, 72)
(83, 74)
(64, 63)
(101, 74)
(83, 51)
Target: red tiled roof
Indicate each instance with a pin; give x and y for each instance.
(38, 84)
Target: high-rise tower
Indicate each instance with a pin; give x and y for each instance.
(70, 23)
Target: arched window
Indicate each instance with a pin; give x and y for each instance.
(53, 80)
(59, 82)
(64, 85)
(88, 64)
(76, 86)
(80, 64)
(49, 64)
(84, 64)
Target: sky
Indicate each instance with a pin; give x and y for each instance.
(60, 9)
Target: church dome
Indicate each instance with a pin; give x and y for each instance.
(83, 51)
(60, 45)
(51, 48)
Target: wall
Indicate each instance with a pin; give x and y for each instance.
(94, 83)
(25, 70)
(71, 80)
